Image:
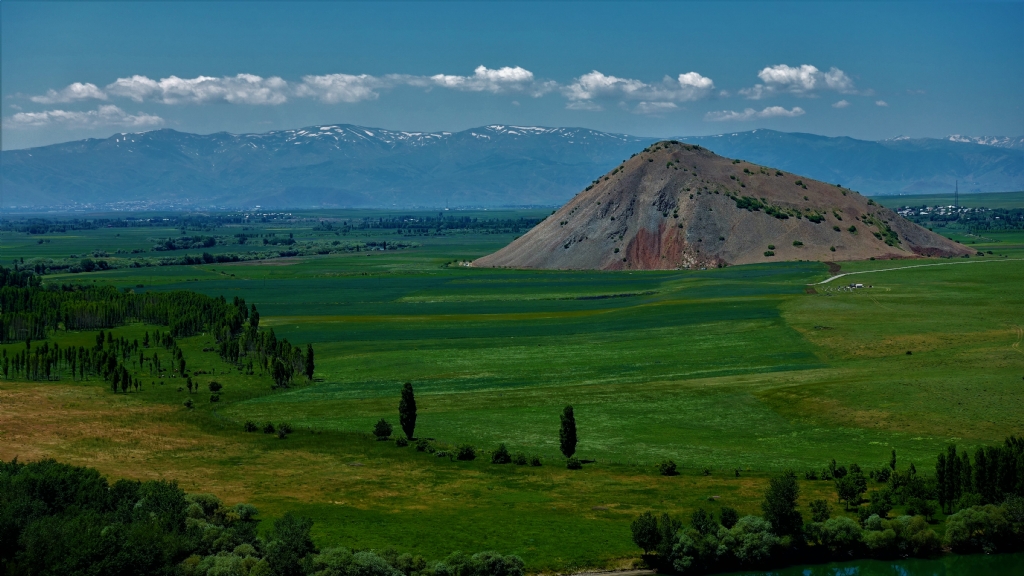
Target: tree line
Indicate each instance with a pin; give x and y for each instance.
(30, 311)
(62, 520)
(986, 517)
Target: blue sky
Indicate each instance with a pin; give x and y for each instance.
(868, 70)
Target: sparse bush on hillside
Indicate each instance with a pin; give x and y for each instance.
(382, 429)
(501, 455)
(852, 229)
(667, 468)
(251, 426)
(797, 243)
(268, 428)
(466, 452)
(573, 463)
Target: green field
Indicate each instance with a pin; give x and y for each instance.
(984, 200)
(750, 368)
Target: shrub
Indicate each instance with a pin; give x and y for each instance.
(832, 248)
(443, 454)
(820, 510)
(382, 429)
(214, 397)
(281, 434)
(836, 228)
(401, 441)
(519, 459)
(501, 455)
(728, 517)
(466, 452)
(797, 243)
(811, 475)
(667, 468)
(852, 229)
(771, 246)
(979, 529)
(769, 253)
(840, 535)
(251, 426)
(188, 404)
(268, 428)
(214, 386)
(645, 532)
(284, 427)
(573, 463)
(423, 445)
(535, 461)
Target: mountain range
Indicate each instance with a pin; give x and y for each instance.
(352, 166)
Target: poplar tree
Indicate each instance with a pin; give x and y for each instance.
(310, 365)
(407, 411)
(567, 435)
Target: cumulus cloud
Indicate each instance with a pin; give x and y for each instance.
(841, 104)
(106, 115)
(584, 105)
(801, 80)
(71, 93)
(596, 85)
(881, 103)
(505, 79)
(654, 107)
(750, 114)
(334, 88)
(239, 89)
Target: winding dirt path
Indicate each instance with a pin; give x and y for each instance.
(914, 266)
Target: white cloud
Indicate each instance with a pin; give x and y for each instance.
(595, 85)
(654, 107)
(496, 80)
(881, 103)
(239, 89)
(583, 105)
(71, 93)
(750, 114)
(106, 115)
(841, 104)
(334, 88)
(801, 80)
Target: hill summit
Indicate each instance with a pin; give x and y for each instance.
(676, 205)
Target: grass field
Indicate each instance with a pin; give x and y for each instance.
(745, 368)
(984, 200)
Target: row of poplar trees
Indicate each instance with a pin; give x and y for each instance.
(994, 473)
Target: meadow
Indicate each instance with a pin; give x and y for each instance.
(735, 374)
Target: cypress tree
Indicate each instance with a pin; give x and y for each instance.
(310, 366)
(567, 434)
(940, 480)
(407, 410)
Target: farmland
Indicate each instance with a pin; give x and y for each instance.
(743, 371)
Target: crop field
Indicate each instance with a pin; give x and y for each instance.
(734, 374)
(986, 200)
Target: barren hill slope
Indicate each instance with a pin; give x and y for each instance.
(680, 206)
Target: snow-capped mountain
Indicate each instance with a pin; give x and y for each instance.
(354, 166)
(1000, 141)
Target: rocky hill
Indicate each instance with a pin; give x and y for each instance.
(677, 205)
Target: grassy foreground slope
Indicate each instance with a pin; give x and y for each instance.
(733, 368)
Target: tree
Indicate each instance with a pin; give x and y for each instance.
(289, 545)
(849, 489)
(407, 411)
(820, 510)
(501, 455)
(567, 434)
(382, 429)
(645, 532)
(892, 460)
(729, 517)
(309, 361)
(254, 318)
(779, 505)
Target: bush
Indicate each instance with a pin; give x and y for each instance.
(214, 397)
(519, 459)
(251, 426)
(728, 517)
(284, 427)
(979, 529)
(214, 386)
(797, 243)
(811, 475)
(852, 229)
(771, 246)
(573, 463)
(465, 453)
(840, 535)
(535, 461)
(268, 428)
(281, 434)
(401, 441)
(501, 455)
(423, 446)
(382, 429)
(188, 404)
(667, 468)
(820, 510)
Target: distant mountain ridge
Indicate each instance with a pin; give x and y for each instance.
(342, 165)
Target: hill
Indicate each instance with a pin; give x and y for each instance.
(681, 206)
(357, 167)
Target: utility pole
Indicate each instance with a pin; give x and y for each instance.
(956, 196)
